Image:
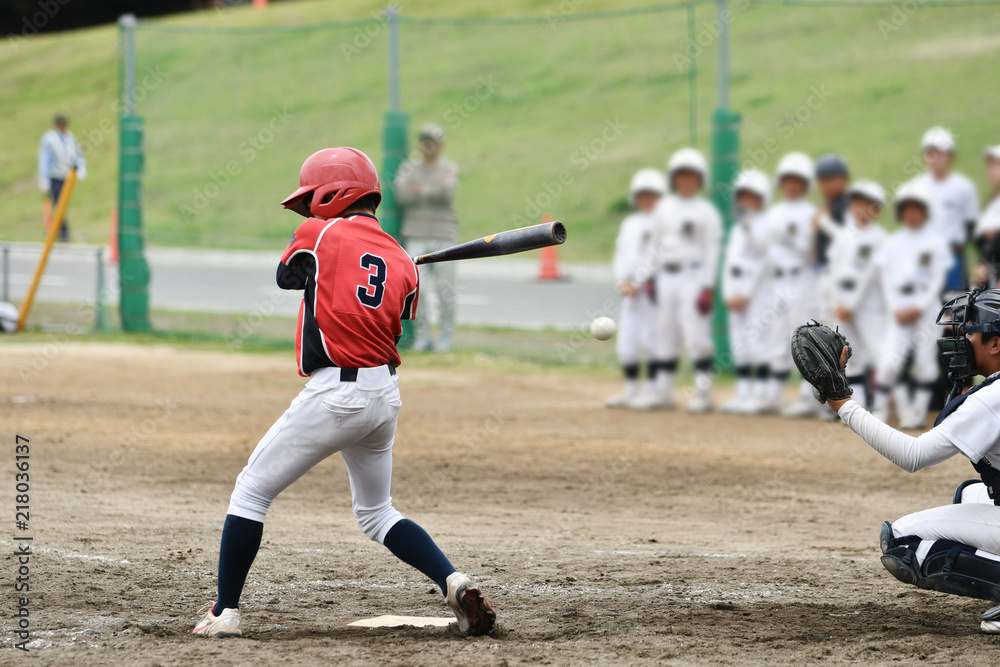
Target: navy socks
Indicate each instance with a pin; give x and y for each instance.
(411, 544)
(240, 542)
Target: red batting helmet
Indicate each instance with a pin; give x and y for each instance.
(336, 178)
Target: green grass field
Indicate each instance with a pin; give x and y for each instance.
(525, 106)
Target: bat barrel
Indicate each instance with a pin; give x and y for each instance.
(502, 243)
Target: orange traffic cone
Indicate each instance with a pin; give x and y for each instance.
(113, 238)
(549, 258)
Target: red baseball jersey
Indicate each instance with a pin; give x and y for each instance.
(359, 283)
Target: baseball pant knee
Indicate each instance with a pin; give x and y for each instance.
(376, 522)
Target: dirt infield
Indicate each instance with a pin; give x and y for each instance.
(601, 537)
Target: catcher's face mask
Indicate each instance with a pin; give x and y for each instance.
(975, 312)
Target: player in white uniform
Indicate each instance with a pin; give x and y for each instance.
(858, 305)
(988, 226)
(954, 200)
(684, 257)
(913, 265)
(637, 322)
(745, 289)
(955, 548)
(789, 254)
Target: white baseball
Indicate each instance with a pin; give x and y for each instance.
(603, 328)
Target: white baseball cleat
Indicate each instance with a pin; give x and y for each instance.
(738, 406)
(990, 621)
(800, 409)
(765, 406)
(621, 400)
(912, 424)
(474, 613)
(700, 403)
(226, 624)
(828, 414)
(652, 400)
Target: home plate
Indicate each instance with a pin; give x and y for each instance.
(398, 621)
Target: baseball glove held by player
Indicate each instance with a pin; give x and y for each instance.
(816, 350)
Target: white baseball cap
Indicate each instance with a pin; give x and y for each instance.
(939, 138)
(869, 190)
(992, 152)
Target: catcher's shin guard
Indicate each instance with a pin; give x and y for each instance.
(949, 567)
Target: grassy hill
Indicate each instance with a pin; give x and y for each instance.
(548, 117)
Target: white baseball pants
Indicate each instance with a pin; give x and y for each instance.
(920, 338)
(636, 329)
(975, 522)
(357, 419)
(678, 320)
(865, 332)
(748, 337)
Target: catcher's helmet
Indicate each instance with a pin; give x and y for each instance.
(647, 180)
(977, 311)
(336, 178)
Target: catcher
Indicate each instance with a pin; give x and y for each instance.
(955, 548)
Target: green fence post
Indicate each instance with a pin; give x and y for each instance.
(132, 265)
(725, 165)
(394, 146)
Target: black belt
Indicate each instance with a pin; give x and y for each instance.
(677, 267)
(907, 290)
(780, 273)
(351, 374)
(847, 284)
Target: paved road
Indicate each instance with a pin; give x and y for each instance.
(493, 292)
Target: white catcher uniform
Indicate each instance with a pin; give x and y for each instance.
(637, 322)
(954, 548)
(744, 274)
(789, 234)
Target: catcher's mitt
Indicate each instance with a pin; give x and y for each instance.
(816, 350)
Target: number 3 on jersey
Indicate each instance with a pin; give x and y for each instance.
(371, 294)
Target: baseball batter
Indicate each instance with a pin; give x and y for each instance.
(790, 245)
(954, 548)
(746, 291)
(858, 305)
(637, 322)
(358, 284)
(684, 253)
(912, 266)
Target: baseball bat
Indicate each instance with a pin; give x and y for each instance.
(501, 243)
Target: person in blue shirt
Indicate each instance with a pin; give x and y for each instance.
(58, 153)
